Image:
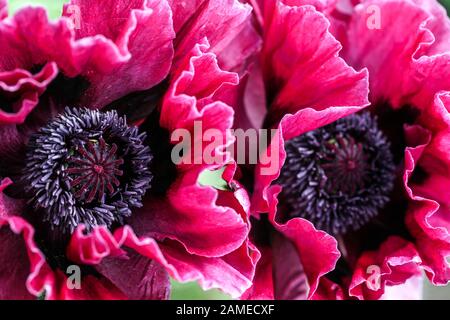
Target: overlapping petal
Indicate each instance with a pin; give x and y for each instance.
(139, 35)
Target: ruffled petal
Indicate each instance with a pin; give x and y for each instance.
(317, 250)
(91, 288)
(289, 277)
(140, 31)
(104, 251)
(406, 57)
(24, 272)
(306, 72)
(29, 40)
(15, 267)
(328, 290)
(428, 216)
(393, 263)
(221, 272)
(26, 275)
(262, 285)
(149, 281)
(192, 217)
(226, 23)
(20, 91)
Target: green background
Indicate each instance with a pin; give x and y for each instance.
(191, 290)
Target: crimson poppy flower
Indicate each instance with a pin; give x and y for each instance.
(409, 93)
(82, 185)
(357, 204)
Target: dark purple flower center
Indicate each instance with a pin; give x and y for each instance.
(94, 170)
(339, 176)
(87, 167)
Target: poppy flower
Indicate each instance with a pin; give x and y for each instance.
(409, 94)
(87, 180)
(357, 204)
(306, 86)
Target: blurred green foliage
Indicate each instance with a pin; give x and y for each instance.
(54, 7)
(191, 291)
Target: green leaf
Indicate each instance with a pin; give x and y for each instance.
(214, 179)
(54, 7)
(42, 296)
(192, 291)
(446, 3)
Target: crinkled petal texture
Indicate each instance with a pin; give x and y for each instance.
(406, 57)
(306, 72)
(309, 86)
(404, 45)
(138, 34)
(226, 23)
(193, 232)
(25, 272)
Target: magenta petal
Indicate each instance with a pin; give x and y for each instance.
(197, 81)
(428, 217)
(142, 33)
(439, 24)
(209, 272)
(3, 9)
(92, 248)
(4, 184)
(320, 5)
(24, 89)
(289, 278)
(196, 93)
(405, 57)
(193, 96)
(317, 250)
(184, 267)
(23, 271)
(231, 273)
(262, 284)
(211, 232)
(393, 263)
(225, 23)
(104, 251)
(148, 281)
(390, 69)
(328, 290)
(29, 39)
(250, 103)
(307, 71)
(92, 288)
(183, 11)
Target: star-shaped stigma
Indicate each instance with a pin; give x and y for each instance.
(94, 169)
